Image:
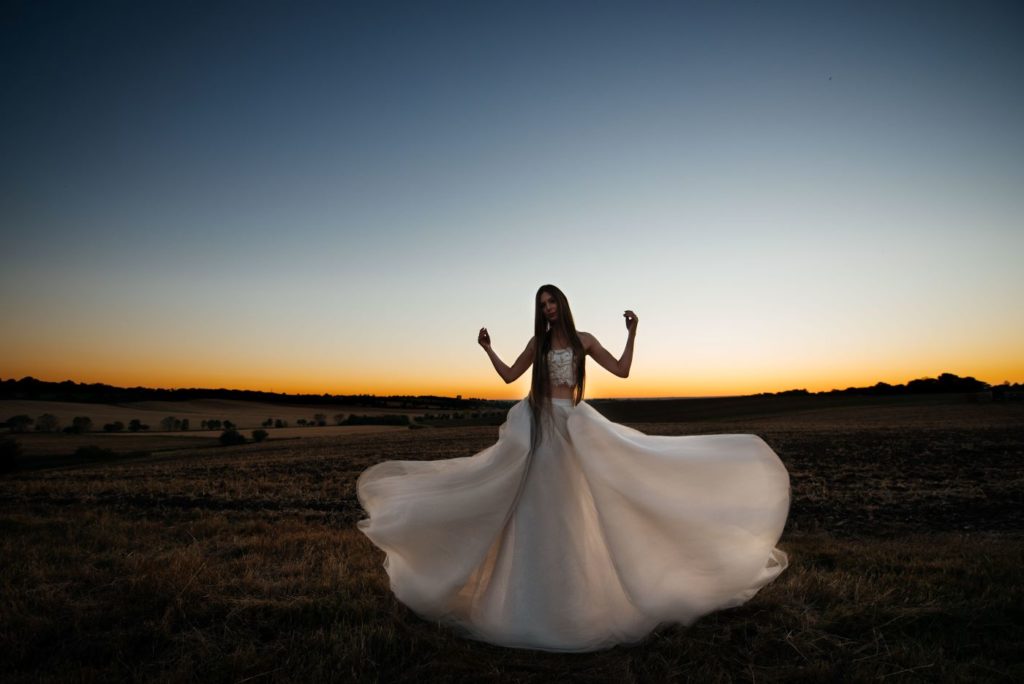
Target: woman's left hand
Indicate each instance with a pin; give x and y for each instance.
(631, 320)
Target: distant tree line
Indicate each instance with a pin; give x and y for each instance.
(99, 393)
(464, 415)
(946, 383)
(48, 423)
(215, 424)
(387, 419)
(463, 418)
(171, 424)
(33, 389)
(80, 424)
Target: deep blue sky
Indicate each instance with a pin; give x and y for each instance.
(336, 196)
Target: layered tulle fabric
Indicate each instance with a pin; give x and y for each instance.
(594, 539)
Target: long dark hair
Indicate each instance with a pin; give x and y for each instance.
(540, 388)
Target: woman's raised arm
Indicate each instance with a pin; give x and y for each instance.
(507, 374)
(620, 366)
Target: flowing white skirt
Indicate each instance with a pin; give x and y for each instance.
(595, 539)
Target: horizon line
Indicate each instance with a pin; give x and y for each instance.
(458, 396)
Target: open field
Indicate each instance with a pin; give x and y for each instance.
(819, 412)
(244, 414)
(57, 447)
(36, 444)
(906, 539)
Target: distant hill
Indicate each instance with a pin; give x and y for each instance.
(98, 393)
(946, 383)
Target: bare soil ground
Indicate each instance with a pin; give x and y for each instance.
(905, 536)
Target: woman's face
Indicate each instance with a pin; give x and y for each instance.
(548, 306)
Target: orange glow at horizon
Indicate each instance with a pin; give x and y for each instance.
(689, 383)
(729, 360)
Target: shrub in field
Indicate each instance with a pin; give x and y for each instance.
(228, 425)
(232, 437)
(170, 423)
(47, 423)
(259, 435)
(280, 423)
(20, 422)
(400, 419)
(10, 450)
(93, 452)
(116, 426)
(339, 418)
(269, 422)
(135, 425)
(81, 424)
(320, 419)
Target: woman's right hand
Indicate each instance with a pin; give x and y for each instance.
(483, 339)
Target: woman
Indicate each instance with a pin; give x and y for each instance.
(571, 532)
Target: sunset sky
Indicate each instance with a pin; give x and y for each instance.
(335, 197)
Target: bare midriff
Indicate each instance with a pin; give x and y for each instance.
(561, 392)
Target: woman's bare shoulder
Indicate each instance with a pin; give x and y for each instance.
(586, 338)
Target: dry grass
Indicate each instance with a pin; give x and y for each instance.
(243, 564)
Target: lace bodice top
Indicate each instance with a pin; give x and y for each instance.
(561, 367)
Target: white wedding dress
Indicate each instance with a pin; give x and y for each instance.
(595, 539)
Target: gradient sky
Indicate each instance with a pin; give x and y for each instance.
(335, 197)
